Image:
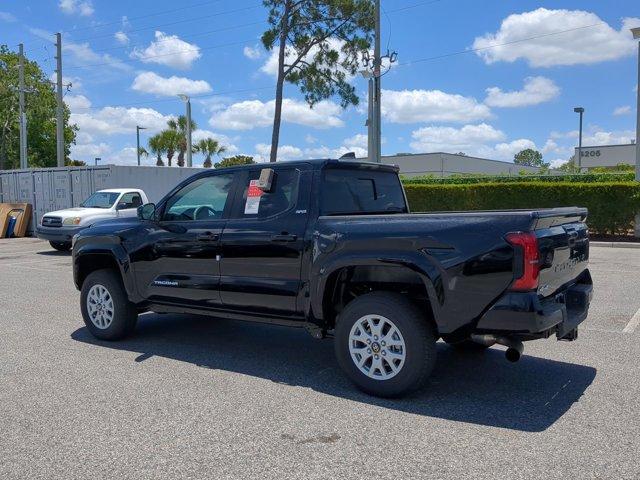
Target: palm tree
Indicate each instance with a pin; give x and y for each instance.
(209, 147)
(170, 142)
(156, 146)
(180, 126)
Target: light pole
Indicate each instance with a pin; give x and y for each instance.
(580, 111)
(636, 36)
(96, 160)
(138, 128)
(187, 100)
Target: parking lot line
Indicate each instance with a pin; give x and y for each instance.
(633, 323)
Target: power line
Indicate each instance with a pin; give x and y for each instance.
(140, 17)
(182, 37)
(195, 50)
(415, 5)
(153, 27)
(165, 100)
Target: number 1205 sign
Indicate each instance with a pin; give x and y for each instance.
(590, 153)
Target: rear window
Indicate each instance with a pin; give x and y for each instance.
(354, 192)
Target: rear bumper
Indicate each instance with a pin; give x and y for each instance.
(527, 316)
(57, 234)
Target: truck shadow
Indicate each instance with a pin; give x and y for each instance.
(478, 388)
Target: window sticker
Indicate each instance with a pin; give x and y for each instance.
(254, 194)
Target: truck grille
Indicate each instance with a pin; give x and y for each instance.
(51, 221)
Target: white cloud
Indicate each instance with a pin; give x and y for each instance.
(448, 139)
(536, 90)
(597, 136)
(310, 138)
(625, 110)
(593, 44)
(116, 120)
(77, 102)
(252, 53)
(150, 82)
(89, 151)
(168, 50)
(250, 114)
(82, 8)
(285, 152)
(507, 150)
(7, 17)
(411, 106)
(121, 37)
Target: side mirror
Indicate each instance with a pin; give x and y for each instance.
(147, 211)
(121, 206)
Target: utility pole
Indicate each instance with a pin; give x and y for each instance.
(23, 115)
(580, 111)
(138, 128)
(187, 100)
(636, 35)
(370, 130)
(377, 62)
(59, 104)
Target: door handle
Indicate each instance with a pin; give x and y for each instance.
(284, 237)
(207, 237)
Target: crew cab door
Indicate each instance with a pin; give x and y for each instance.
(127, 205)
(180, 264)
(263, 241)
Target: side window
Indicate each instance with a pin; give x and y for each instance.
(202, 199)
(254, 203)
(130, 200)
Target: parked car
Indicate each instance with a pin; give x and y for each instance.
(331, 246)
(60, 226)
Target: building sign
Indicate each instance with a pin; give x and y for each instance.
(590, 153)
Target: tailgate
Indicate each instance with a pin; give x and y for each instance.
(563, 244)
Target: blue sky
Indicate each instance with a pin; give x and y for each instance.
(511, 82)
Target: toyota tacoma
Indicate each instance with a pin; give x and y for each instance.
(331, 246)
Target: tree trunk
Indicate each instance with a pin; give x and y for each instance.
(181, 158)
(277, 116)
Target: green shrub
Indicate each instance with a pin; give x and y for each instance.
(470, 179)
(612, 205)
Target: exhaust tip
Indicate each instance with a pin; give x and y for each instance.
(513, 354)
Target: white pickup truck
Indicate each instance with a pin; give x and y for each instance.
(60, 226)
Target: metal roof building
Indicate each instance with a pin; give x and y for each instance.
(440, 164)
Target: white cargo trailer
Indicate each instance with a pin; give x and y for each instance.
(48, 189)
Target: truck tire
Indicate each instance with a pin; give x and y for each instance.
(61, 246)
(106, 310)
(385, 344)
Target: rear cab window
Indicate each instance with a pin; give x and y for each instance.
(361, 192)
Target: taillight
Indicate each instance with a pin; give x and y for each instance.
(526, 245)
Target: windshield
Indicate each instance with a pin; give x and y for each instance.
(361, 192)
(100, 200)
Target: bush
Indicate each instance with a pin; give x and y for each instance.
(612, 205)
(470, 179)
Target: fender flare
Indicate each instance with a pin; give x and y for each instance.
(422, 264)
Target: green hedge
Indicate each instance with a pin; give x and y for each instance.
(612, 205)
(470, 179)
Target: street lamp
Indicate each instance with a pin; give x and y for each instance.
(187, 100)
(579, 110)
(636, 36)
(96, 160)
(138, 128)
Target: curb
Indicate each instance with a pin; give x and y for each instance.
(615, 244)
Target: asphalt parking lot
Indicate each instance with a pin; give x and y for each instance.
(191, 397)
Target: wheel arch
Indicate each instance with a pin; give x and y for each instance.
(381, 274)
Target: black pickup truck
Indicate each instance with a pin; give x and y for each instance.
(331, 246)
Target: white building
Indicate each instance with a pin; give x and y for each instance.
(607, 155)
(446, 164)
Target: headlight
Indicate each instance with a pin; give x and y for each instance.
(71, 221)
